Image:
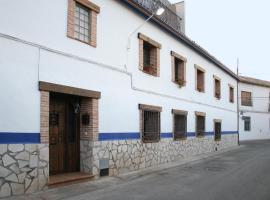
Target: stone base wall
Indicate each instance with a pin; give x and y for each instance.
(24, 168)
(129, 155)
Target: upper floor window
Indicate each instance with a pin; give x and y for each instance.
(200, 124)
(150, 123)
(179, 124)
(231, 93)
(246, 98)
(200, 78)
(217, 87)
(82, 21)
(149, 55)
(178, 69)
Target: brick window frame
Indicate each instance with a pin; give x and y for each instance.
(199, 78)
(231, 93)
(149, 109)
(182, 134)
(200, 128)
(246, 98)
(177, 59)
(154, 55)
(217, 87)
(93, 11)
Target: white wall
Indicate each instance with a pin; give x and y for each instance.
(44, 23)
(258, 113)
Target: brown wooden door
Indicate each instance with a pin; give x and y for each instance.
(64, 135)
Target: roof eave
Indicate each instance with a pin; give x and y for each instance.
(182, 37)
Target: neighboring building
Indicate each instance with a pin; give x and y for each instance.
(74, 99)
(254, 122)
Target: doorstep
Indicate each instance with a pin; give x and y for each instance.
(68, 178)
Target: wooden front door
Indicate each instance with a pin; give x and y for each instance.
(64, 134)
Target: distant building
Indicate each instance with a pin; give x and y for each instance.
(254, 123)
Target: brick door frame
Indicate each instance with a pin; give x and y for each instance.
(88, 133)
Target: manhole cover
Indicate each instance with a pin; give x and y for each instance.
(215, 169)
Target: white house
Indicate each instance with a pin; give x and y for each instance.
(254, 122)
(81, 91)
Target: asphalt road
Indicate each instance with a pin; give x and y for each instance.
(243, 173)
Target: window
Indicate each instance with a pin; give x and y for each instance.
(246, 98)
(178, 69)
(217, 129)
(179, 124)
(200, 78)
(217, 87)
(149, 55)
(231, 91)
(200, 124)
(247, 126)
(82, 21)
(150, 123)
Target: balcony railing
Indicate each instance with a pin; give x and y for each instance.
(169, 16)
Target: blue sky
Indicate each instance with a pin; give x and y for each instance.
(233, 28)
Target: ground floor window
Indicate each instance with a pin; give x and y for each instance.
(217, 129)
(150, 123)
(179, 124)
(247, 124)
(200, 124)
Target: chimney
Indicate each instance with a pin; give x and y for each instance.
(180, 11)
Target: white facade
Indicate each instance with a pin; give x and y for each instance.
(35, 47)
(259, 112)
(52, 57)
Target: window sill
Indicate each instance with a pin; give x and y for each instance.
(150, 142)
(149, 73)
(200, 91)
(180, 84)
(180, 139)
(89, 44)
(200, 136)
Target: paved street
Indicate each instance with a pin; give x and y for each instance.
(243, 173)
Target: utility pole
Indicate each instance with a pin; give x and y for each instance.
(238, 101)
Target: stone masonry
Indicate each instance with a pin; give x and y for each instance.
(24, 168)
(129, 155)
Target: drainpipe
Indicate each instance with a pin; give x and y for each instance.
(238, 100)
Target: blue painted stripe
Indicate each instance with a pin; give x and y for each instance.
(118, 136)
(19, 138)
(229, 132)
(34, 138)
(136, 135)
(166, 135)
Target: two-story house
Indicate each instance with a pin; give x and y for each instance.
(82, 92)
(254, 108)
